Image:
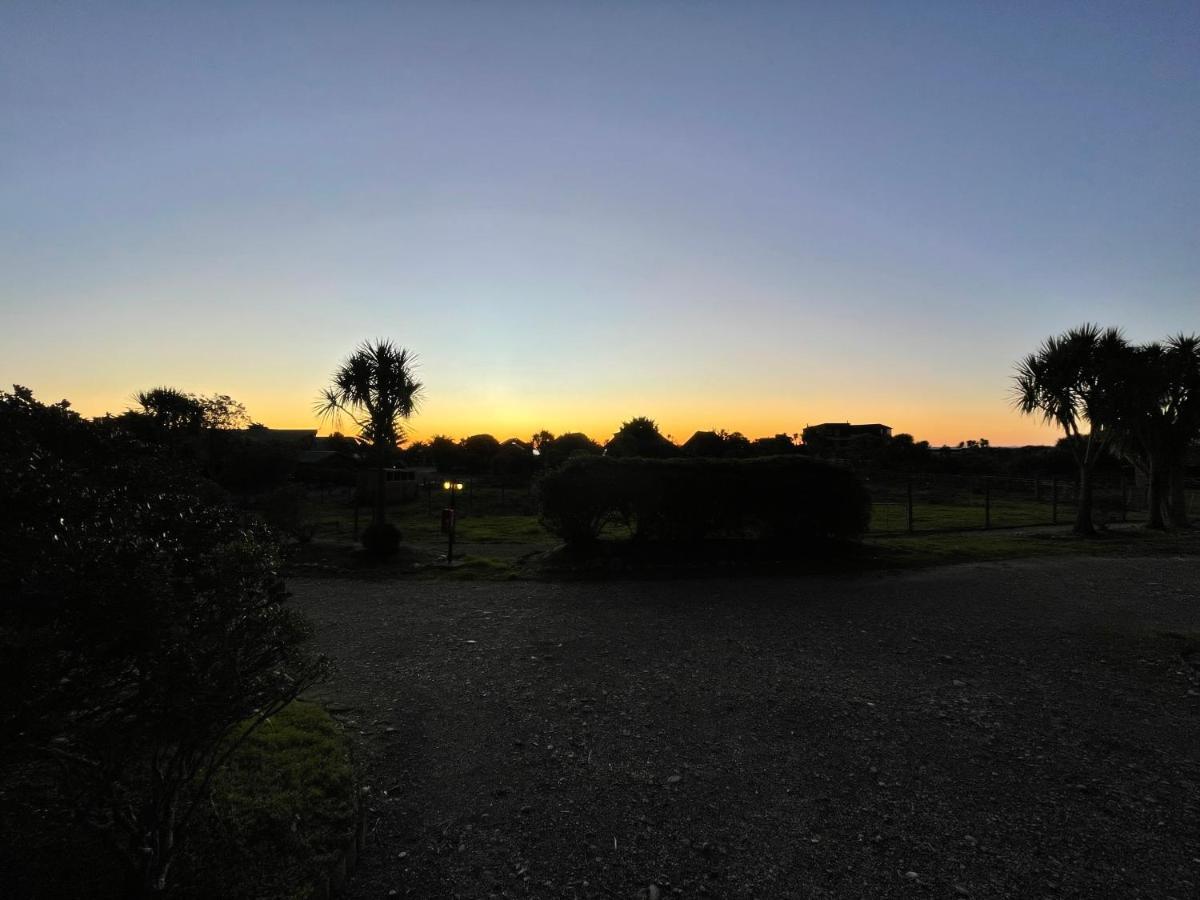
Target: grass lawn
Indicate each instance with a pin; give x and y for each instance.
(500, 540)
(281, 812)
(278, 817)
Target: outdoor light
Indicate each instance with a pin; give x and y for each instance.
(449, 517)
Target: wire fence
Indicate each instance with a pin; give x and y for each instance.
(928, 503)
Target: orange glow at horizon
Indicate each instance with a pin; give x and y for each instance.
(941, 421)
(937, 427)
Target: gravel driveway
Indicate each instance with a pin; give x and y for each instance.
(1020, 729)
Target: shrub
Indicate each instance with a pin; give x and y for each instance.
(381, 540)
(141, 622)
(576, 500)
(783, 498)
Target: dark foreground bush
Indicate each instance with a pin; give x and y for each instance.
(781, 498)
(141, 623)
(381, 540)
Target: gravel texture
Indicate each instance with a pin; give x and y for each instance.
(1024, 729)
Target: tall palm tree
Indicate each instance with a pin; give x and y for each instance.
(1074, 380)
(1141, 430)
(1181, 409)
(1159, 419)
(374, 387)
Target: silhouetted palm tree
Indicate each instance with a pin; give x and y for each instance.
(1141, 428)
(1181, 409)
(374, 387)
(1075, 380)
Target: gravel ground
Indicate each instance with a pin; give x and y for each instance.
(1024, 729)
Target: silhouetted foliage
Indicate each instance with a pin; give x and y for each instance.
(1158, 419)
(779, 445)
(252, 466)
(376, 389)
(903, 454)
(514, 463)
(640, 437)
(554, 451)
(773, 498)
(1077, 380)
(478, 453)
(141, 622)
(447, 455)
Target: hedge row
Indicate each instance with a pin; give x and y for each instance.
(784, 498)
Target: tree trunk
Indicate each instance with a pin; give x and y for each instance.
(1083, 510)
(380, 495)
(1154, 496)
(1177, 508)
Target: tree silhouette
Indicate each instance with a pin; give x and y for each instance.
(640, 437)
(374, 387)
(1075, 380)
(1159, 419)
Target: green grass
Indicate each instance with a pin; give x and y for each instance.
(944, 532)
(418, 526)
(473, 568)
(972, 546)
(890, 516)
(281, 810)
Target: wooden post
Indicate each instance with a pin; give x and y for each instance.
(987, 503)
(909, 509)
(1054, 501)
(1124, 500)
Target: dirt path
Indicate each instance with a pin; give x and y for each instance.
(994, 730)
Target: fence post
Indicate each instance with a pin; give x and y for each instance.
(987, 503)
(1054, 501)
(1037, 487)
(909, 509)
(1124, 502)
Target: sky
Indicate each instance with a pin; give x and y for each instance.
(749, 216)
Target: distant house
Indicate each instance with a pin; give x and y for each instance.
(398, 484)
(842, 440)
(298, 439)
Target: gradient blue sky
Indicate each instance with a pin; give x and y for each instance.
(742, 215)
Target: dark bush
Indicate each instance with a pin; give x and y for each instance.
(381, 540)
(685, 500)
(141, 622)
(577, 499)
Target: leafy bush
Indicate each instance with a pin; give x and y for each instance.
(141, 621)
(686, 500)
(381, 540)
(577, 499)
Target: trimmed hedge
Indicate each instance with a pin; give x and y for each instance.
(777, 498)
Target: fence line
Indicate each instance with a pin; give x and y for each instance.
(903, 503)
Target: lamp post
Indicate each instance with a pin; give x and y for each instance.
(448, 518)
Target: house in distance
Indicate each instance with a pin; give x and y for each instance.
(842, 440)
